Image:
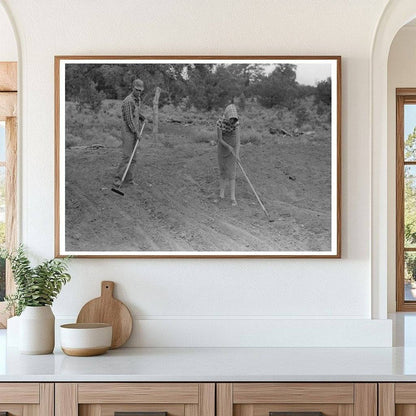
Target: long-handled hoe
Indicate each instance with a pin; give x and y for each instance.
(252, 188)
(117, 189)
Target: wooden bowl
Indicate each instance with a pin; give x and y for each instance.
(84, 340)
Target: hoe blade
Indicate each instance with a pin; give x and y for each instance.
(117, 191)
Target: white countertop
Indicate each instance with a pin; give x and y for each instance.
(213, 364)
(222, 364)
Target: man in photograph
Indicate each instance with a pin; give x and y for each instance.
(132, 120)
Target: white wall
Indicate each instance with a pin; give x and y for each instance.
(401, 74)
(8, 47)
(179, 302)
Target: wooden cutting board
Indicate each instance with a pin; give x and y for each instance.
(107, 309)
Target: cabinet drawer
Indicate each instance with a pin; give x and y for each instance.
(107, 399)
(19, 393)
(296, 399)
(138, 393)
(293, 393)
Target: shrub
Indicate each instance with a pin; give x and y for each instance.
(323, 92)
(302, 116)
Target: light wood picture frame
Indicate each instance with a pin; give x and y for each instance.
(266, 129)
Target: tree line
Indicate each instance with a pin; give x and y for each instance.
(204, 86)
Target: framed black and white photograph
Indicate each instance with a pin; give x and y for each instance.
(197, 156)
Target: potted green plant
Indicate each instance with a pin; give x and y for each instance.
(36, 289)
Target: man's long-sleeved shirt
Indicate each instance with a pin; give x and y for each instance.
(130, 110)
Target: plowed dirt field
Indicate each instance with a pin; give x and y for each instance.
(175, 207)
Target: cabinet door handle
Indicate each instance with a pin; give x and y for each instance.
(296, 414)
(138, 414)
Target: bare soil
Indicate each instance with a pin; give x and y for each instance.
(175, 207)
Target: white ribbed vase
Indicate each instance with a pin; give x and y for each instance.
(37, 330)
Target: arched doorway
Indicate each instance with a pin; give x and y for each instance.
(396, 14)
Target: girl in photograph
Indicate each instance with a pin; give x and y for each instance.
(228, 134)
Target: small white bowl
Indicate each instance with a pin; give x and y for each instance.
(83, 340)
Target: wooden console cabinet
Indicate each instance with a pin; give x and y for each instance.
(208, 399)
